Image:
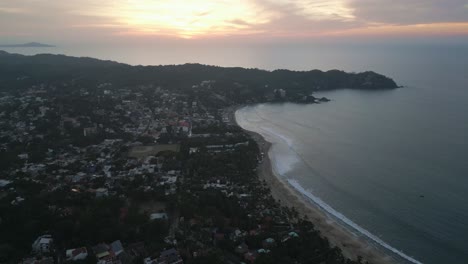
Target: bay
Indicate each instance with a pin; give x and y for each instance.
(393, 162)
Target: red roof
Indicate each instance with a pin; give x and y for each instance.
(78, 251)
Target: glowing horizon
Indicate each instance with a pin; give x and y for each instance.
(203, 19)
(186, 18)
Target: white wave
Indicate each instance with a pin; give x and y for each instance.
(272, 132)
(283, 159)
(246, 120)
(347, 221)
(283, 163)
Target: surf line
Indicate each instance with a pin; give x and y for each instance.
(330, 210)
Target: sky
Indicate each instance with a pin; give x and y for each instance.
(64, 21)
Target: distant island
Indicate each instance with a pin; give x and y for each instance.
(27, 45)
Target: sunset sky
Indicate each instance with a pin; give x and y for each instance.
(111, 20)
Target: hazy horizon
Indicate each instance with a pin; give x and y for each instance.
(246, 22)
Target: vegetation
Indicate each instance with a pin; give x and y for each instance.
(69, 134)
(235, 83)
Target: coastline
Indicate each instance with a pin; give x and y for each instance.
(351, 245)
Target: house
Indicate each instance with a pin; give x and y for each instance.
(158, 216)
(101, 251)
(242, 249)
(290, 235)
(263, 251)
(116, 248)
(101, 192)
(88, 131)
(43, 244)
(170, 256)
(109, 254)
(24, 156)
(76, 254)
(4, 183)
(269, 243)
(279, 93)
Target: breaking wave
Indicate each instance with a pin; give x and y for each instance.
(327, 208)
(284, 160)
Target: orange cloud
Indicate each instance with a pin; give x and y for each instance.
(241, 19)
(184, 18)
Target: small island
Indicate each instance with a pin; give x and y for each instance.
(27, 45)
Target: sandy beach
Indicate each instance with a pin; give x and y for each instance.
(351, 245)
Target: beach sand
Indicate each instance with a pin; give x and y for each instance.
(351, 245)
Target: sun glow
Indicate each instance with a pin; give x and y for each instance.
(188, 18)
(219, 18)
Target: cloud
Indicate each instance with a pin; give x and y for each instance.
(267, 19)
(13, 10)
(204, 13)
(410, 12)
(413, 30)
(304, 18)
(311, 10)
(58, 23)
(239, 22)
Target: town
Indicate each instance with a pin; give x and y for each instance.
(103, 173)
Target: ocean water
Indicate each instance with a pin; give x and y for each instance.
(390, 165)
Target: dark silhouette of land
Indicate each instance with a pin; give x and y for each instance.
(236, 84)
(27, 45)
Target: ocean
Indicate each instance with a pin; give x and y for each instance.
(390, 165)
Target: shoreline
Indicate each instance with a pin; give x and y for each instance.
(351, 245)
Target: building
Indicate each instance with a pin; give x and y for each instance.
(76, 254)
(4, 183)
(279, 93)
(109, 253)
(89, 131)
(43, 244)
(101, 192)
(170, 256)
(158, 216)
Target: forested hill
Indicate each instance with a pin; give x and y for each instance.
(19, 71)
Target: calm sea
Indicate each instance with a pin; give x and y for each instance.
(392, 165)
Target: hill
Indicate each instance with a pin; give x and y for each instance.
(246, 83)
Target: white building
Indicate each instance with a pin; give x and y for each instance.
(158, 216)
(43, 244)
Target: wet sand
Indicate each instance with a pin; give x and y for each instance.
(351, 245)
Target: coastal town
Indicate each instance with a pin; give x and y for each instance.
(103, 162)
(139, 175)
(233, 132)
